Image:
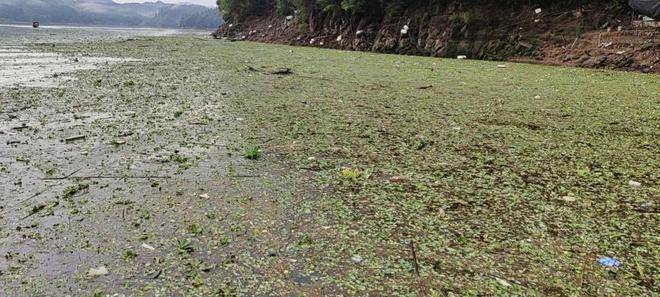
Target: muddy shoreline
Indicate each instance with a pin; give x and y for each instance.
(585, 36)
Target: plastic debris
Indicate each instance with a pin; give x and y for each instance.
(204, 196)
(503, 282)
(94, 272)
(609, 262)
(461, 57)
(538, 10)
(568, 199)
(357, 259)
(146, 246)
(634, 184)
(646, 207)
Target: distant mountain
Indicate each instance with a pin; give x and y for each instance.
(109, 13)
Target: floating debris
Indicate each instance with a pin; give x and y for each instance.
(568, 199)
(503, 282)
(357, 259)
(95, 272)
(609, 262)
(74, 138)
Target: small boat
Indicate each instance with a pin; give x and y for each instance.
(35, 24)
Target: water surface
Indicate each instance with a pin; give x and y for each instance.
(22, 34)
(22, 66)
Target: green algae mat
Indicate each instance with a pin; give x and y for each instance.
(211, 168)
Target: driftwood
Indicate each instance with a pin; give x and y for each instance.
(413, 255)
(279, 71)
(109, 177)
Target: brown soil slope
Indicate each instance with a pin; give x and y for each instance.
(584, 36)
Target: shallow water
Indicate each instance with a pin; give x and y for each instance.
(22, 34)
(21, 66)
(27, 68)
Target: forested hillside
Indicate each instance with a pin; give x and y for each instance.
(369, 9)
(109, 13)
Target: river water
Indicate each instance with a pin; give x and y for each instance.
(22, 66)
(22, 34)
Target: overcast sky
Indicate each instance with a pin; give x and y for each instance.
(201, 2)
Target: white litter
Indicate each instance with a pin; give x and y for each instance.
(568, 199)
(538, 10)
(404, 30)
(357, 259)
(94, 272)
(503, 282)
(146, 246)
